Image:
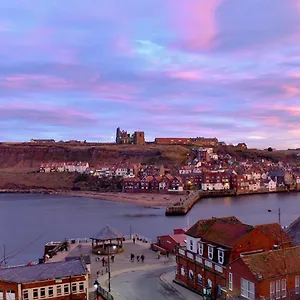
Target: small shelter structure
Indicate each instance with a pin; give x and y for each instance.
(104, 240)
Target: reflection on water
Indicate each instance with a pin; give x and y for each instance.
(27, 222)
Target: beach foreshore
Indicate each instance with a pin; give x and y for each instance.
(142, 199)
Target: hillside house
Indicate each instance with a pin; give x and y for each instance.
(215, 181)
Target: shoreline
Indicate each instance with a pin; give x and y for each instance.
(147, 200)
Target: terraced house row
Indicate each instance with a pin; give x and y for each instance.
(225, 258)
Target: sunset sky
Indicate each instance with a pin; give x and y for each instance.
(74, 69)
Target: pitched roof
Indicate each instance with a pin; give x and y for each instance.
(42, 272)
(293, 231)
(273, 263)
(108, 233)
(224, 231)
(275, 231)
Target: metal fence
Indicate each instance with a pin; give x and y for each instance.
(103, 293)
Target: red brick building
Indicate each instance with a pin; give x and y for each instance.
(271, 274)
(212, 244)
(59, 280)
(170, 242)
(240, 183)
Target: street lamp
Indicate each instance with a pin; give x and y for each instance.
(96, 285)
(109, 253)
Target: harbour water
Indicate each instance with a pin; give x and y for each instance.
(28, 221)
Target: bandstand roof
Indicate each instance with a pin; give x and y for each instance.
(107, 233)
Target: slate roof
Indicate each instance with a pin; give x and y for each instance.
(275, 231)
(42, 272)
(223, 231)
(108, 233)
(273, 263)
(293, 230)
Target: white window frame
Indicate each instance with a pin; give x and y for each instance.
(191, 245)
(246, 289)
(81, 287)
(210, 252)
(283, 288)
(277, 294)
(58, 290)
(50, 288)
(66, 287)
(74, 288)
(221, 256)
(200, 248)
(44, 291)
(297, 284)
(272, 290)
(230, 282)
(37, 291)
(25, 292)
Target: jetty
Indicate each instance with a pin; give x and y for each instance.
(183, 207)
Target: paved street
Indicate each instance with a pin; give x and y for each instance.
(147, 285)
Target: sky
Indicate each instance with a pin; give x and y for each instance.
(77, 69)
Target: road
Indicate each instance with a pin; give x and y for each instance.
(144, 285)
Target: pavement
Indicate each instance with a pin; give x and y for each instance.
(150, 284)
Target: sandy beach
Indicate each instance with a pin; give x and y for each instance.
(143, 199)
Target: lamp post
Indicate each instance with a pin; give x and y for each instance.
(109, 253)
(96, 285)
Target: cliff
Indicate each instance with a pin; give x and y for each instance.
(29, 155)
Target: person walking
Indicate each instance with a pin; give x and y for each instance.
(142, 258)
(158, 255)
(103, 261)
(132, 257)
(138, 258)
(112, 257)
(133, 240)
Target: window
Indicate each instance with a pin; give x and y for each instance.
(74, 288)
(272, 290)
(25, 294)
(210, 252)
(11, 295)
(66, 289)
(191, 275)
(50, 291)
(277, 289)
(58, 290)
(1, 295)
(200, 280)
(182, 270)
(191, 245)
(221, 256)
(35, 293)
(247, 289)
(81, 287)
(230, 282)
(43, 293)
(297, 284)
(200, 248)
(283, 288)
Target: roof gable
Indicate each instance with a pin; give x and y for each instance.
(275, 231)
(224, 231)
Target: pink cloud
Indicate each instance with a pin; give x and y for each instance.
(195, 22)
(186, 75)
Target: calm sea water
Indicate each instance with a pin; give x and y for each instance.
(27, 222)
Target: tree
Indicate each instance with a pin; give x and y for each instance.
(270, 149)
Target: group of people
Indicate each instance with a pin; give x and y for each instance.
(105, 260)
(138, 258)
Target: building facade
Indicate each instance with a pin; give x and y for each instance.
(212, 244)
(273, 274)
(59, 280)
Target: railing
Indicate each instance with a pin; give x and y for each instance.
(103, 293)
(138, 237)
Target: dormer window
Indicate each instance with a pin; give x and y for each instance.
(200, 248)
(210, 252)
(191, 245)
(221, 256)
